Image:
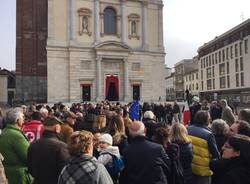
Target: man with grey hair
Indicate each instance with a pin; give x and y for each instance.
(220, 129)
(145, 162)
(14, 147)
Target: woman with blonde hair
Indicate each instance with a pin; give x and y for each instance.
(179, 135)
(116, 129)
(100, 123)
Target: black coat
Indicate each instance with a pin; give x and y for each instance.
(230, 171)
(186, 157)
(145, 162)
(46, 158)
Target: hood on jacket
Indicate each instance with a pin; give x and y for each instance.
(114, 150)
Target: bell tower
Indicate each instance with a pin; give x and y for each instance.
(31, 56)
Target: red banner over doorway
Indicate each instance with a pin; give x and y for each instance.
(112, 83)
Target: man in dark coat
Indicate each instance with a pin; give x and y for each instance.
(48, 155)
(145, 162)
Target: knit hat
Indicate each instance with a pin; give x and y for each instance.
(107, 138)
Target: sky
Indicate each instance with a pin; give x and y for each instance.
(188, 24)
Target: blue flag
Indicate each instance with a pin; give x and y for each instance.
(134, 110)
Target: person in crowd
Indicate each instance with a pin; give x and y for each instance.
(176, 112)
(83, 167)
(169, 114)
(179, 136)
(34, 128)
(244, 114)
(204, 148)
(44, 112)
(3, 179)
(100, 123)
(240, 127)
(145, 162)
(96, 139)
(194, 108)
(117, 130)
(215, 110)
(204, 105)
(67, 126)
(161, 136)
(48, 155)
(234, 167)
(150, 123)
(14, 146)
(107, 152)
(2, 120)
(227, 113)
(220, 129)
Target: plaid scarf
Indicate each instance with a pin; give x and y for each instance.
(81, 169)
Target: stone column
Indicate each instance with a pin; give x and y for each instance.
(98, 78)
(125, 79)
(50, 20)
(145, 25)
(123, 21)
(160, 28)
(97, 21)
(72, 21)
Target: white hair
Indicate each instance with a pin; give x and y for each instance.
(139, 132)
(148, 114)
(13, 115)
(44, 111)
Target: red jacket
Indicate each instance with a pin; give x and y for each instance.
(33, 130)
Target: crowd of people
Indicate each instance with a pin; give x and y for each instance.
(107, 143)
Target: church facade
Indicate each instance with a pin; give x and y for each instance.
(105, 49)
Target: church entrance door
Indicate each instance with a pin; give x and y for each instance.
(112, 88)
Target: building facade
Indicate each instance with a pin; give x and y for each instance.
(105, 49)
(181, 68)
(170, 87)
(8, 85)
(31, 56)
(191, 82)
(224, 65)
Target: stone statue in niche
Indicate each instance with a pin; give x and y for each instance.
(85, 24)
(133, 27)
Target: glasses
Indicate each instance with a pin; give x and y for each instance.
(101, 142)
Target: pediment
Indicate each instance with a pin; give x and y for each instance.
(112, 46)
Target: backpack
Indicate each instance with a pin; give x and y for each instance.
(116, 166)
(177, 176)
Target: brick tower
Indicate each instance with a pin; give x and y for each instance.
(31, 56)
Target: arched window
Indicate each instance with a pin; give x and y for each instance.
(109, 21)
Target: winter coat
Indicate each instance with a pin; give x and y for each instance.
(220, 140)
(230, 171)
(46, 158)
(186, 157)
(3, 179)
(14, 146)
(33, 130)
(227, 115)
(107, 158)
(84, 169)
(145, 162)
(193, 110)
(204, 149)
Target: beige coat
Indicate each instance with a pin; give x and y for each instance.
(3, 179)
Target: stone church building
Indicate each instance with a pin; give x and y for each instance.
(104, 49)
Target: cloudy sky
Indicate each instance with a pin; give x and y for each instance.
(188, 24)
